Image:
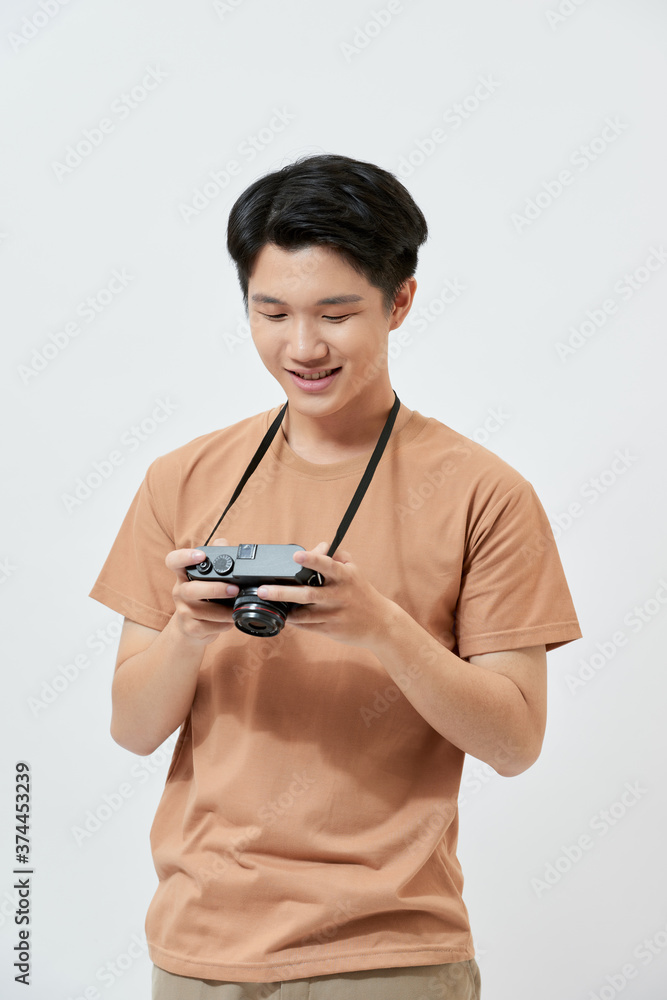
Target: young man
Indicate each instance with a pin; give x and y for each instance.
(306, 839)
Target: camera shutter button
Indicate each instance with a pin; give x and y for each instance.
(223, 565)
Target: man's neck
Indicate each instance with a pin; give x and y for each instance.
(337, 438)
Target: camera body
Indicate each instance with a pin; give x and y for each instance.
(249, 566)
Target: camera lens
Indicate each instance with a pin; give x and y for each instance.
(258, 617)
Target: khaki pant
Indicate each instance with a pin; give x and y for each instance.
(452, 981)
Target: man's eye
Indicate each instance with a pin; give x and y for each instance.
(334, 319)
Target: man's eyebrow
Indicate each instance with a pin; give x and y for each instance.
(334, 300)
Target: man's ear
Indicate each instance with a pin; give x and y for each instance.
(403, 302)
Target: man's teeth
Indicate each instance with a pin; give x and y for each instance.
(316, 375)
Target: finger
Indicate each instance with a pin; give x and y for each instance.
(317, 559)
(205, 590)
(180, 558)
(220, 541)
(292, 595)
(320, 548)
(220, 614)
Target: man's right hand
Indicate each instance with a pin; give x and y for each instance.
(156, 671)
(195, 616)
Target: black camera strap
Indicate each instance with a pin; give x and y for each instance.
(361, 488)
(252, 465)
(367, 476)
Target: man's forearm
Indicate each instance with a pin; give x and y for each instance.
(480, 711)
(153, 690)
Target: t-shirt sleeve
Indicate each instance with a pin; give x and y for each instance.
(134, 579)
(513, 589)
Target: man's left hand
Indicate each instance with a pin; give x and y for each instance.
(347, 608)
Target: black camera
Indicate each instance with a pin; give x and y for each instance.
(249, 566)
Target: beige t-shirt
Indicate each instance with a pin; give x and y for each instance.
(309, 821)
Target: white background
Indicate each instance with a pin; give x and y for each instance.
(547, 921)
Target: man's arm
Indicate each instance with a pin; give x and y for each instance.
(156, 672)
(492, 706)
(153, 685)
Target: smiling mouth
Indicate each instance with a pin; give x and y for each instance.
(313, 376)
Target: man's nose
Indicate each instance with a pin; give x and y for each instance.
(305, 341)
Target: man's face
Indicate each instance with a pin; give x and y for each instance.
(321, 330)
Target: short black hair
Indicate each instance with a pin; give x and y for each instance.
(357, 209)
